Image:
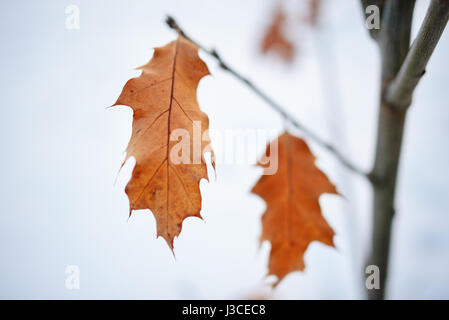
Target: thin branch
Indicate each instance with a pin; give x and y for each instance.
(274, 105)
(394, 41)
(394, 36)
(399, 93)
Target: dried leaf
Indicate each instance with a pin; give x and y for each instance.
(163, 99)
(275, 39)
(293, 216)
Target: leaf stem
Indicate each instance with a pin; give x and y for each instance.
(171, 22)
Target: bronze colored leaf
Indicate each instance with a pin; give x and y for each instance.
(275, 39)
(293, 217)
(163, 99)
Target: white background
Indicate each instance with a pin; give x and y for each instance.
(61, 150)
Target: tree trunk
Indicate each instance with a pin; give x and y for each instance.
(402, 68)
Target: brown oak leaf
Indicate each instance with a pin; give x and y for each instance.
(275, 39)
(164, 104)
(293, 216)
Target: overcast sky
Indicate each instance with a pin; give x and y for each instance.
(62, 150)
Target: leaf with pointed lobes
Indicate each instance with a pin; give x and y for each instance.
(293, 216)
(275, 39)
(164, 104)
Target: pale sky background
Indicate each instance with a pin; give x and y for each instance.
(62, 150)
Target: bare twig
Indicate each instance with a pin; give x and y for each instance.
(394, 36)
(274, 105)
(394, 42)
(399, 92)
